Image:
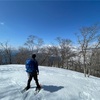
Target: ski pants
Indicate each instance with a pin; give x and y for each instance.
(33, 75)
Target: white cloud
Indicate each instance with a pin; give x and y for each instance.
(1, 23)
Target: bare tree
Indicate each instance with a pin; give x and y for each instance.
(7, 52)
(86, 37)
(1, 57)
(30, 42)
(39, 44)
(44, 56)
(65, 51)
(22, 55)
(54, 56)
(95, 61)
(34, 43)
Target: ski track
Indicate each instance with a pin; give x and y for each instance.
(58, 84)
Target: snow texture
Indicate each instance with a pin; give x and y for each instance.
(57, 84)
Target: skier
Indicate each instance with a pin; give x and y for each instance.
(33, 72)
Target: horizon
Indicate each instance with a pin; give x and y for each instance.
(45, 19)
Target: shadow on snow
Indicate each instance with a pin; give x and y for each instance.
(52, 88)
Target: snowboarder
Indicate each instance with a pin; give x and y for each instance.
(33, 72)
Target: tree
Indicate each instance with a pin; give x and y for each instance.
(54, 56)
(34, 43)
(86, 38)
(1, 57)
(7, 52)
(65, 51)
(22, 55)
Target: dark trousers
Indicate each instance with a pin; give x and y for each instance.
(30, 76)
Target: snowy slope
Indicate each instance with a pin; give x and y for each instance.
(58, 84)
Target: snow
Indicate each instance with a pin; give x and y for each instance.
(58, 84)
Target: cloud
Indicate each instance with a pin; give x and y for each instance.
(1, 23)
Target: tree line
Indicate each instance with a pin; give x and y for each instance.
(83, 58)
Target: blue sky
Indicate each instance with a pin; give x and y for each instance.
(45, 19)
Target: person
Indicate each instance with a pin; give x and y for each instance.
(33, 72)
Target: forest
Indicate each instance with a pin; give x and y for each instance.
(83, 57)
